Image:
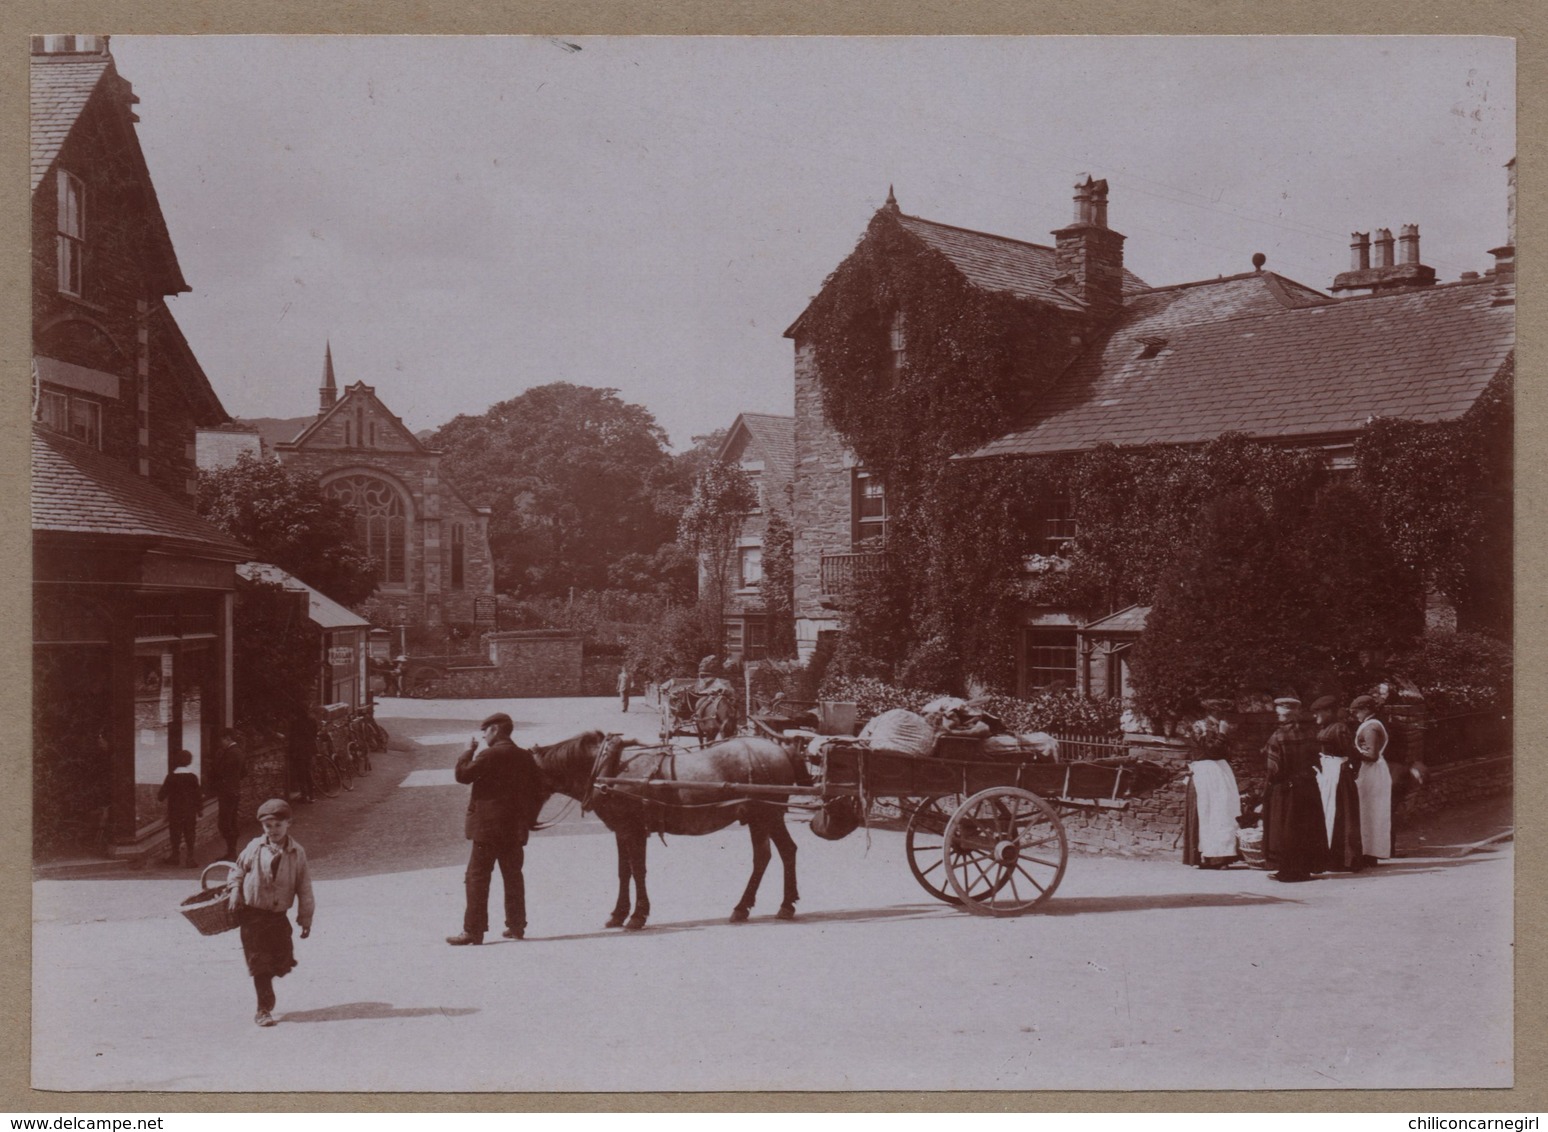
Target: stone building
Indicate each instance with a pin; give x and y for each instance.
(132, 591)
(1129, 364)
(432, 544)
(763, 446)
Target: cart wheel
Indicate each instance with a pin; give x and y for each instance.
(925, 840)
(1005, 851)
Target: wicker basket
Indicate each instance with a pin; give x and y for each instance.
(1249, 843)
(209, 909)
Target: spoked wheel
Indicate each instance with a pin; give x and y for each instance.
(325, 777)
(1004, 851)
(346, 769)
(360, 755)
(925, 840)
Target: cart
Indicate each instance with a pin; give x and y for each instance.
(985, 836)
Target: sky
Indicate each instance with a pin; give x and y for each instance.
(464, 218)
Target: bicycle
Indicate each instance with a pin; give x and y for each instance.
(376, 734)
(326, 779)
(359, 748)
(340, 761)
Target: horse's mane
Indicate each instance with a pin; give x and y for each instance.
(566, 749)
(569, 763)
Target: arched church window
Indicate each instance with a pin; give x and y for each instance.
(381, 521)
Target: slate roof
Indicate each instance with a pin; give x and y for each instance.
(78, 490)
(1261, 355)
(321, 609)
(998, 263)
(61, 87)
(774, 437)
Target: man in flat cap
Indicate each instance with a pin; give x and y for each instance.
(506, 795)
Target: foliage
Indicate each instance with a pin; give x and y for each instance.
(776, 589)
(274, 657)
(670, 646)
(708, 529)
(576, 480)
(1443, 493)
(288, 521)
(1231, 615)
(1459, 672)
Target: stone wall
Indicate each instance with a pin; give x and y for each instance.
(538, 662)
(821, 501)
(1151, 824)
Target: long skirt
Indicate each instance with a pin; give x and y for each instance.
(1340, 813)
(1294, 840)
(1214, 802)
(266, 942)
(1374, 784)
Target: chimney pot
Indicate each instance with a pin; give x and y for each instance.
(1360, 251)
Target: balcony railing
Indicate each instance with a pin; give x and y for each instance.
(842, 573)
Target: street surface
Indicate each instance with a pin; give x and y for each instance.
(1140, 974)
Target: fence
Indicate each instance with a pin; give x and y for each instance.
(1076, 747)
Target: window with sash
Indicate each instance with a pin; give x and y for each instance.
(868, 501)
(72, 234)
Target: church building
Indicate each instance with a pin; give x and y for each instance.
(432, 544)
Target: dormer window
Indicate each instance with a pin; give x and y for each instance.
(72, 234)
(1150, 347)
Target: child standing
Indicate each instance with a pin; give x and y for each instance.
(271, 874)
(180, 791)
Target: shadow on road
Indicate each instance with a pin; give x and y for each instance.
(852, 916)
(356, 1011)
(1079, 905)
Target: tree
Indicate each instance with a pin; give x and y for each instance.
(576, 480)
(274, 657)
(288, 521)
(722, 496)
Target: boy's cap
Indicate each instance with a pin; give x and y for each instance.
(183, 759)
(498, 717)
(274, 808)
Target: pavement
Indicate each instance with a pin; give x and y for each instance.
(1140, 974)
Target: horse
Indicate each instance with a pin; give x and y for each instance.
(710, 713)
(678, 791)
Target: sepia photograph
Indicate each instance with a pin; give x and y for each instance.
(628, 564)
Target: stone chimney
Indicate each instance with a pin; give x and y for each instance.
(1505, 255)
(1089, 254)
(328, 393)
(1389, 273)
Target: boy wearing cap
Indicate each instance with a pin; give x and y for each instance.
(180, 791)
(501, 807)
(271, 874)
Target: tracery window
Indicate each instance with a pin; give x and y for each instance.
(381, 522)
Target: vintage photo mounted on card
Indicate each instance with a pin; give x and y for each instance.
(674, 564)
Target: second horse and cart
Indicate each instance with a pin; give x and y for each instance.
(982, 833)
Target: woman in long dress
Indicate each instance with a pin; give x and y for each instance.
(1294, 839)
(1374, 780)
(1336, 780)
(1214, 801)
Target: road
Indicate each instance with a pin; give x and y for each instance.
(1140, 974)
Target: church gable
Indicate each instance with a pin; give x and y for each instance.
(359, 421)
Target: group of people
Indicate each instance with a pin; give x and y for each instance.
(1327, 802)
(184, 798)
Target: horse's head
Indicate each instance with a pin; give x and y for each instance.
(569, 766)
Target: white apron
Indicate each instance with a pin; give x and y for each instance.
(1327, 781)
(1375, 785)
(1220, 802)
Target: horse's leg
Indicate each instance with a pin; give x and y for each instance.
(787, 856)
(759, 833)
(621, 908)
(641, 841)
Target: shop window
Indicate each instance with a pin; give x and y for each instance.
(1049, 658)
(868, 502)
(458, 556)
(381, 522)
(72, 234)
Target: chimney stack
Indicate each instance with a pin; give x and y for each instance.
(1089, 254)
(1359, 251)
(1505, 255)
(1387, 273)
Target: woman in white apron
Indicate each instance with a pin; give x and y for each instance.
(1213, 800)
(1374, 781)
